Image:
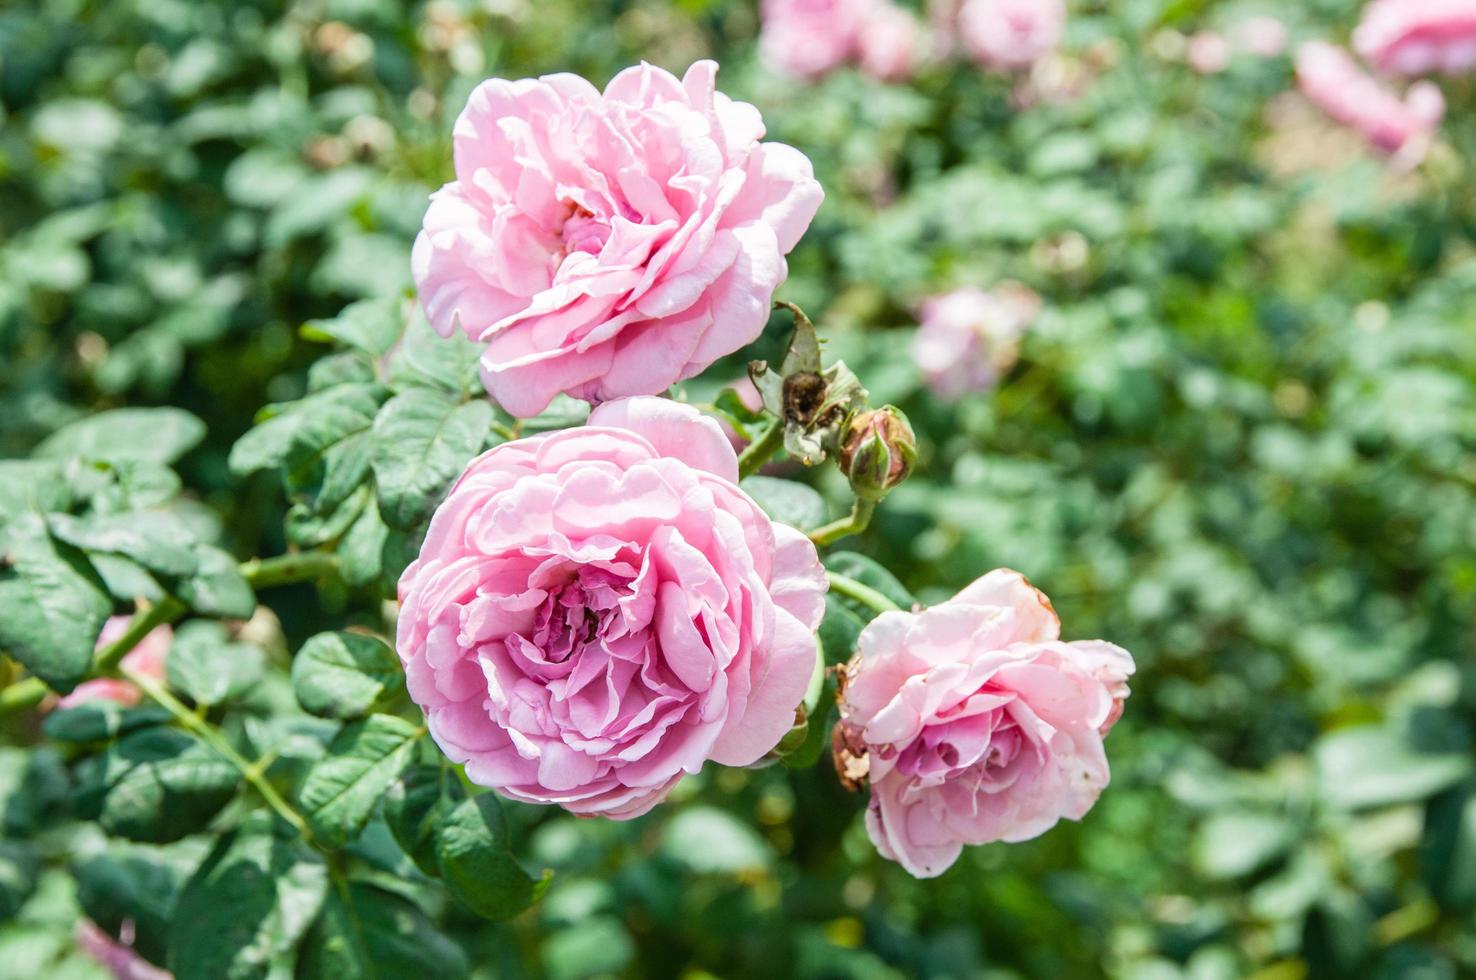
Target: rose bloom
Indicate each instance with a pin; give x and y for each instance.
(1418, 37)
(968, 338)
(974, 723)
(809, 38)
(890, 43)
(147, 658)
(1208, 52)
(609, 244)
(597, 611)
(1262, 36)
(1332, 80)
(1011, 34)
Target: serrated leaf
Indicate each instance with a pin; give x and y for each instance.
(343, 788)
(415, 805)
(155, 539)
(424, 359)
(156, 785)
(205, 665)
(345, 675)
(423, 439)
(367, 933)
(55, 604)
(249, 903)
(788, 502)
(361, 551)
(370, 325)
(477, 864)
(317, 421)
(159, 435)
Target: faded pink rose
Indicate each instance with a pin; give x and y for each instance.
(607, 245)
(1009, 35)
(598, 611)
(974, 723)
(1262, 36)
(968, 338)
(809, 38)
(1208, 52)
(147, 658)
(890, 44)
(1332, 80)
(1419, 37)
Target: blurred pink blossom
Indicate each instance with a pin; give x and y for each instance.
(809, 38)
(147, 658)
(1209, 52)
(968, 337)
(1402, 127)
(1263, 36)
(1009, 35)
(890, 43)
(1418, 37)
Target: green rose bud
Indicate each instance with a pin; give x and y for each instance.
(879, 452)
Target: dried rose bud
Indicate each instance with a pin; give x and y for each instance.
(880, 451)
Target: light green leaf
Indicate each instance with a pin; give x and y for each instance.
(425, 359)
(1376, 765)
(788, 502)
(155, 539)
(369, 325)
(205, 665)
(422, 441)
(706, 840)
(159, 435)
(343, 788)
(345, 675)
(217, 588)
(54, 603)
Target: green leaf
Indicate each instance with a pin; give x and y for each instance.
(249, 903)
(369, 325)
(361, 551)
(367, 933)
(840, 629)
(157, 540)
(477, 864)
(98, 721)
(1448, 852)
(1376, 765)
(19, 866)
(706, 840)
(159, 435)
(341, 790)
(55, 604)
(33, 787)
(31, 486)
(138, 884)
(425, 359)
(126, 580)
(1240, 842)
(308, 528)
(217, 588)
(314, 424)
(415, 805)
(156, 785)
(345, 675)
(136, 484)
(788, 502)
(205, 665)
(598, 946)
(871, 574)
(423, 439)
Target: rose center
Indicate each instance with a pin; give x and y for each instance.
(584, 231)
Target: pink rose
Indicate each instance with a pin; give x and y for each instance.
(974, 723)
(1008, 35)
(1332, 80)
(808, 38)
(890, 43)
(1208, 52)
(611, 244)
(596, 612)
(1262, 36)
(147, 658)
(1418, 37)
(968, 338)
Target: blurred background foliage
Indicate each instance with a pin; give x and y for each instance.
(1241, 442)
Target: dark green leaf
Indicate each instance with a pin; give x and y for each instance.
(316, 423)
(136, 884)
(788, 502)
(217, 588)
(249, 903)
(422, 441)
(341, 790)
(871, 574)
(19, 865)
(367, 933)
(156, 785)
(97, 721)
(477, 864)
(415, 805)
(840, 629)
(1448, 853)
(54, 602)
(345, 675)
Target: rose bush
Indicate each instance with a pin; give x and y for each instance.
(595, 613)
(612, 243)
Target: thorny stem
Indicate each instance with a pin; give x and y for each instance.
(856, 522)
(864, 594)
(761, 450)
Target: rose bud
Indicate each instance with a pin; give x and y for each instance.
(879, 453)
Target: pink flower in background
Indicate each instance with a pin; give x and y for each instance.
(1011, 34)
(116, 956)
(974, 723)
(809, 38)
(147, 658)
(609, 244)
(890, 43)
(1419, 37)
(1333, 81)
(968, 338)
(1262, 36)
(1208, 52)
(598, 611)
